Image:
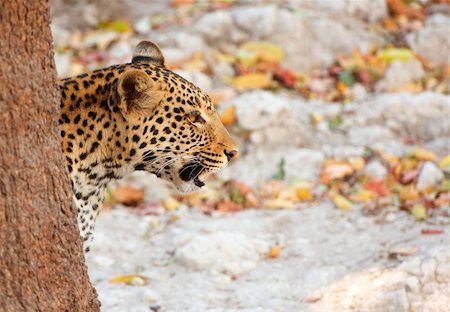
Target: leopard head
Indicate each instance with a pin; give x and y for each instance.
(173, 129)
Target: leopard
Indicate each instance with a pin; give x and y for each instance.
(132, 117)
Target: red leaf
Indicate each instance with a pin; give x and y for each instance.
(432, 231)
(377, 186)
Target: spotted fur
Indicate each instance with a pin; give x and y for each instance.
(137, 116)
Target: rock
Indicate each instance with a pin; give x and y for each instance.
(308, 36)
(390, 301)
(367, 10)
(428, 269)
(259, 109)
(399, 73)
(143, 25)
(121, 51)
(62, 62)
(299, 34)
(433, 40)
(198, 78)
(370, 135)
(258, 21)
(214, 25)
(375, 169)
(304, 164)
(429, 176)
(403, 114)
(443, 272)
(260, 164)
(225, 252)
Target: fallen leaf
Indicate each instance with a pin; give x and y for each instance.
(408, 194)
(419, 212)
(278, 203)
(444, 164)
(251, 52)
(128, 196)
(228, 116)
(377, 186)
(228, 206)
(274, 252)
(423, 154)
(393, 54)
(252, 81)
(396, 252)
(432, 231)
(303, 194)
(342, 203)
(286, 77)
(334, 170)
(133, 279)
(171, 204)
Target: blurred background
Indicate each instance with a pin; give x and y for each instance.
(339, 200)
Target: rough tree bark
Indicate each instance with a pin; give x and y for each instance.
(41, 262)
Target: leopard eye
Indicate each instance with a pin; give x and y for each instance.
(196, 117)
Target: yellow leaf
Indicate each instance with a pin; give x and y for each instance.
(133, 279)
(342, 203)
(278, 203)
(251, 52)
(419, 212)
(357, 163)
(423, 154)
(274, 252)
(252, 81)
(392, 54)
(303, 194)
(409, 194)
(171, 203)
(363, 196)
(228, 116)
(444, 164)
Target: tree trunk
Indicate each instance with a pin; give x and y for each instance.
(41, 262)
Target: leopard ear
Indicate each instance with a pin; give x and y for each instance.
(148, 52)
(137, 91)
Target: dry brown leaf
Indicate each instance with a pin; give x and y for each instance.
(228, 116)
(128, 196)
(274, 252)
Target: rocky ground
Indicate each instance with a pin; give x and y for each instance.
(351, 118)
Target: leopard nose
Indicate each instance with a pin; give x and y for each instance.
(230, 154)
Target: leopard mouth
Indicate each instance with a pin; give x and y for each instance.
(191, 172)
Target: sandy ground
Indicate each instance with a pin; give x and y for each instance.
(330, 261)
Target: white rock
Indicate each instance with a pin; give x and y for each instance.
(257, 21)
(399, 73)
(429, 175)
(443, 272)
(121, 50)
(369, 135)
(225, 252)
(143, 25)
(391, 301)
(149, 296)
(375, 169)
(412, 284)
(371, 10)
(259, 109)
(304, 163)
(428, 270)
(432, 41)
(214, 25)
(198, 78)
(62, 62)
(411, 265)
